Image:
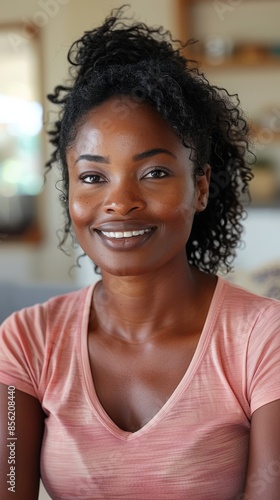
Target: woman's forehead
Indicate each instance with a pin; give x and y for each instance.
(121, 115)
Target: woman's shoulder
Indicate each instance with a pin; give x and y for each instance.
(68, 301)
(245, 306)
(32, 338)
(243, 294)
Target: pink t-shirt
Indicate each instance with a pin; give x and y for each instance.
(195, 447)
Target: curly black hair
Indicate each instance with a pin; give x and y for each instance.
(121, 58)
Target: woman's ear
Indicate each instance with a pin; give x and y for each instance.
(202, 187)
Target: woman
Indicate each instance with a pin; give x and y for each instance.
(162, 381)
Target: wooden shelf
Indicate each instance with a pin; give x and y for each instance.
(245, 54)
(235, 62)
(232, 44)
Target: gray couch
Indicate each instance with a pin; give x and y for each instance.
(15, 296)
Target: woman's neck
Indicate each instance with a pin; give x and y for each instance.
(136, 308)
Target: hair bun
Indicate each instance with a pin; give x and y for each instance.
(115, 43)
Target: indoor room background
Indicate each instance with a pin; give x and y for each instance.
(239, 49)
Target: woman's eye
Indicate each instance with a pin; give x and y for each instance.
(91, 179)
(157, 173)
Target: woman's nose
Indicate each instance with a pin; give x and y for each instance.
(123, 198)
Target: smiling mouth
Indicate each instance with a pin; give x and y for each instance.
(125, 234)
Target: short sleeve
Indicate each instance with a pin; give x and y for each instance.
(263, 358)
(22, 349)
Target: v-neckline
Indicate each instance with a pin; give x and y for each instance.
(198, 355)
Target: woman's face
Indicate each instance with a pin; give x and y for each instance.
(132, 193)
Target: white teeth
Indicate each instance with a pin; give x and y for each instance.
(125, 234)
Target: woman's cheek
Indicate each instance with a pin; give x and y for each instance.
(78, 209)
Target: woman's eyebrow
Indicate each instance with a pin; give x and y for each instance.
(152, 152)
(138, 157)
(94, 158)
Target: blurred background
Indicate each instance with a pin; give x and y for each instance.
(238, 48)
